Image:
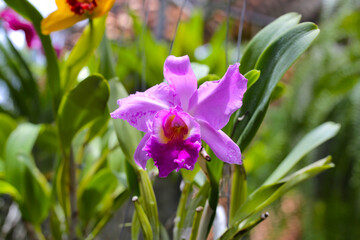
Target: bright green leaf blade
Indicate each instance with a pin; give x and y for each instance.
(273, 64)
(238, 190)
(22, 173)
(82, 51)
(312, 140)
(29, 12)
(149, 201)
(264, 38)
(7, 188)
(81, 106)
(267, 194)
(7, 125)
(20, 141)
(252, 76)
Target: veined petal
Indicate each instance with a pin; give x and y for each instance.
(141, 157)
(220, 143)
(180, 76)
(59, 20)
(103, 6)
(217, 100)
(140, 107)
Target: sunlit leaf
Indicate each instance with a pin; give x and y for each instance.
(82, 51)
(81, 106)
(22, 173)
(312, 140)
(273, 63)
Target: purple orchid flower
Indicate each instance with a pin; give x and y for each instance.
(11, 18)
(13, 22)
(177, 116)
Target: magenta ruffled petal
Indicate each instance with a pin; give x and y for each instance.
(175, 141)
(138, 108)
(15, 23)
(221, 144)
(141, 157)
(217, 100)
(180, 76)
(173, 156)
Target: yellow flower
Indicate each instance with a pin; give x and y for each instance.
(72, 11)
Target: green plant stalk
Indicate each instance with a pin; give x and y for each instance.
(68, 81)
(196, 223)
(181, 213)
(248, 226)
(238, 191)
(144, 221)
(204, 221)
(73, 196)
(100, 225)
(149, 201)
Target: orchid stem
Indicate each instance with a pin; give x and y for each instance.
(73, 200)
(180, 213)
(196, 223)
(204, 222)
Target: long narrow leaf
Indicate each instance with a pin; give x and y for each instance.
(273, 63)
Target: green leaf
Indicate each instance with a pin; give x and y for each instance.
(82, 51)
(29, 12)
(189, 175)
(149, 202)
(7, 125)
(252, 76)
(264, 38)
(143, 219)
(238, 190)
(267, 194)
(312, 140)
(107, 67)
(7, 188)
(22, 173)
(81, 106)
(101, 185)
(273, 63)
(278, 92)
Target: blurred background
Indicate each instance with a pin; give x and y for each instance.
(324, 85)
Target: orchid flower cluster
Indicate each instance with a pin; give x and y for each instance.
(176, 116)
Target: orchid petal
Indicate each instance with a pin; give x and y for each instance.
(103, 7)
(220, 143)
(180, 76)
(216, 101)
(140, 107)
(59, 20)
(140, 156)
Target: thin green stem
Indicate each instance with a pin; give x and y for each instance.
(196, 223)
(73, 197)
(180, 213)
